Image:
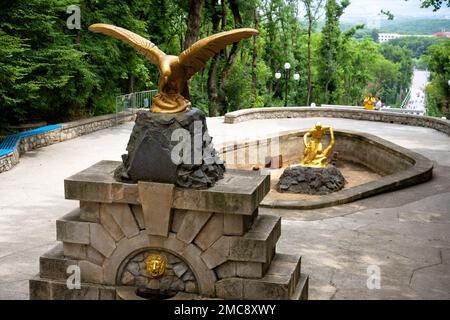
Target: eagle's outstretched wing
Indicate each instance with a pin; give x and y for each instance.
(144, 46)
(194, 58)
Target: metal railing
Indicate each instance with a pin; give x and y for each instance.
(406, 100)
(134, 101)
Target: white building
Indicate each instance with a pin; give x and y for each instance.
(383, 37)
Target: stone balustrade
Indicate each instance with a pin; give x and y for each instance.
(353, 113)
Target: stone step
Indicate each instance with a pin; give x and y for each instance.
(48, 289)
(53, 264)
(301, 291)
(259, 243)
(283, 280)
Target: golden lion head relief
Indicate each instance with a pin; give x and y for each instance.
(155, 265)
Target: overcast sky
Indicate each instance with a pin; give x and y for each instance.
(397, 7)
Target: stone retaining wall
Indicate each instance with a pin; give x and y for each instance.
(9, 161)
(69, 130)
(338, 112)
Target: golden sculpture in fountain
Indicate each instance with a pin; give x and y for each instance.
(314, 155)
(175, 71)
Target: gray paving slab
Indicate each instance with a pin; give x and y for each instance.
(405, 233)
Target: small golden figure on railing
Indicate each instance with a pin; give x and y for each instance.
(314, 155)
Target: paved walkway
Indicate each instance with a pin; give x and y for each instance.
(406, 234)
(419, 82)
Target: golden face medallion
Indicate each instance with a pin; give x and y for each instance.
(155, 265)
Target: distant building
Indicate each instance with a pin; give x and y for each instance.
(383, 37)
(441, 34)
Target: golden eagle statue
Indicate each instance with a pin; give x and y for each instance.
(175, 71)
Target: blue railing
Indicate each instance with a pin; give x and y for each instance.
(8, 145)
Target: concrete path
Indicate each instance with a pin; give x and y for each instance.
(405, 235)
(417, 99)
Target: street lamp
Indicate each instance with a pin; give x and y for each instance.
(287, 75)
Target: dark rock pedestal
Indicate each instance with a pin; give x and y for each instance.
(157, 137)
(311, 180)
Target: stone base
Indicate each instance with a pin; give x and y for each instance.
(214, 241)
(309, 180)
(157, 137)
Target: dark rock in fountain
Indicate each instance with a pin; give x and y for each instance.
(150, 150)
(308, 180)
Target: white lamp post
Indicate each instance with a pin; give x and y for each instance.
(287, 73)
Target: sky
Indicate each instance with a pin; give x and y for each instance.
(361, 8)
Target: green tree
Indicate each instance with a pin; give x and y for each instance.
(329, 48)
(438, 91)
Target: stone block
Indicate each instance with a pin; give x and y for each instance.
(283, 264)
(233, 225)
(258, 244)
(107, 293)
(87, 190)
(268, 288)
(279, 282)
(39, 289)
(230, 288)
(203, 274)
(250, 269)
(192, 223)
(70, 229)
(226, 270)
(177, 220)
(53, 264)
(301, 290)
(245, 249)
(237, 225)
(240, 192)
(124, 218)
(94, 256)
(125, 247)
(101, 240)
(109, 223)
(212, 231)
(156, 200)
(74, 250)
(90, 272)
(90, 211)
(61, 292)
(191, 287)
(138, 215)
(218, 253)
(124, 193)
(173, 243)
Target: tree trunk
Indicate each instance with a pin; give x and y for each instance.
(193, 22)
(130, 83)
(234, 49)
(213, 96)
(309, 93)
(255, 55)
